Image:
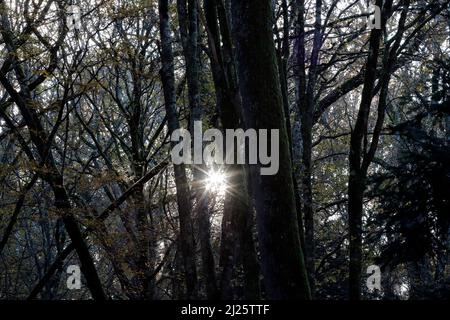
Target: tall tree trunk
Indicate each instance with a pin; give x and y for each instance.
(144, 244)
(306, 106)
(237, 223)
(187, 243)
(356, 183)
(282, 261)
(361, 156)
(283, 58)
(189, 33)
(208, 263)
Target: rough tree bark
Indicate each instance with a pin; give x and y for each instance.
(282, 261)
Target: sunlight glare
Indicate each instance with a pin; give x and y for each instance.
(216, 181)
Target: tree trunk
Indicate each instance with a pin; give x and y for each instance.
(306, 91)
(237, 225)
(281, 254)
(361, 155)
(283, 58)
(189, 33)
(187, 244)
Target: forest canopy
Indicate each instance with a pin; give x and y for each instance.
(350, 104)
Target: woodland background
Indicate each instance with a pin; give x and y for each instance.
(86, 115)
